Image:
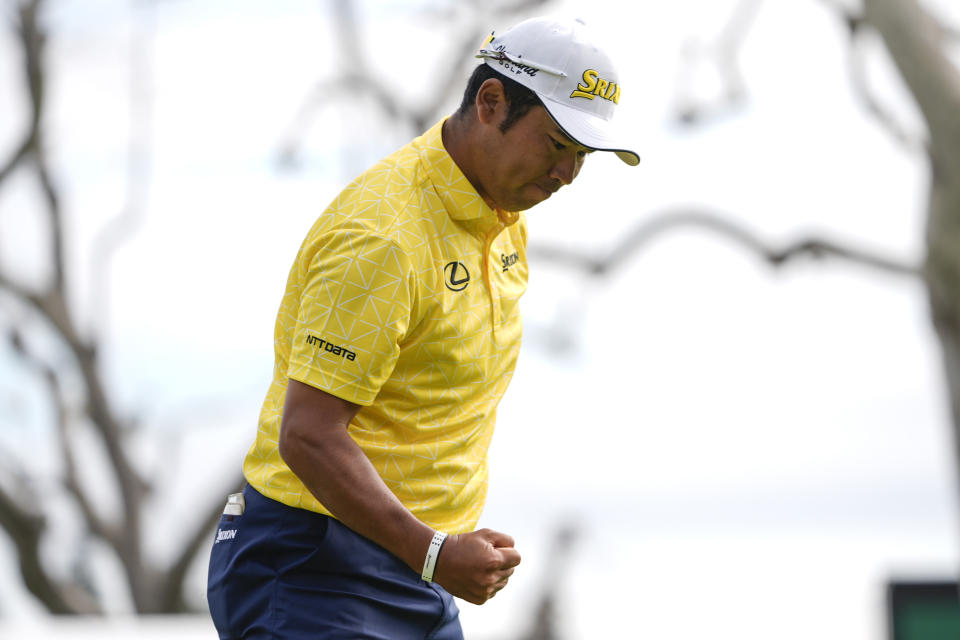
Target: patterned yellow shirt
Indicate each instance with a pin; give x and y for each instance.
(403, 299)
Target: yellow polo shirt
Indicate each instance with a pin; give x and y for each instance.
(403, 299)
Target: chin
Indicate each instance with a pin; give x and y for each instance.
(540, 200)
(535, 196)
(527, 204)
(523, 198)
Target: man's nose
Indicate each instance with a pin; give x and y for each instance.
(566, 169)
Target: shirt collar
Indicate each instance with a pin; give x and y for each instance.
(459, 197)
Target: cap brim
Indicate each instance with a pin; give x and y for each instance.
(589, 130)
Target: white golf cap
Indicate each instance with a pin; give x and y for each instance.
(573, 77)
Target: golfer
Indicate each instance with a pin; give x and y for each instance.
(396, 338)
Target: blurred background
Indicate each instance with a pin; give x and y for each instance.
(732, 413)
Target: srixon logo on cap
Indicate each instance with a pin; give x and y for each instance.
(593, 86)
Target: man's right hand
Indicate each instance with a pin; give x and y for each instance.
(474, 566)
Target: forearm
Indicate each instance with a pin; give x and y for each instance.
(335, 470)
(316, 445)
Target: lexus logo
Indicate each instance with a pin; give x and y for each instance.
(456, 276)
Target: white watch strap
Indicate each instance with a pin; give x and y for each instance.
(433, 552)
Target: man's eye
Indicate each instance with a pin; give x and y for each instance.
(559, 146)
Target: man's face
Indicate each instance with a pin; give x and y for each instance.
(530, 161)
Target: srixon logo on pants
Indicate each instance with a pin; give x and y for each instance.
(225, 534)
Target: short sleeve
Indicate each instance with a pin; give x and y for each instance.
(354, 311)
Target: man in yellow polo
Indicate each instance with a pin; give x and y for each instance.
(395, 340)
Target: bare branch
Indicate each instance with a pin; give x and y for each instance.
(723, 54)
(916, 44)
(871, 104)
(25, 529)
(59, 597)
(33, 40)
(857, 72)
(132, 486)
(70, 480)
(31, 44)
(644, 233)
(20, 293)
(55, 213)
(18, 156)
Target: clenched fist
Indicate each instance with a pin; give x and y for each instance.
(476, 565)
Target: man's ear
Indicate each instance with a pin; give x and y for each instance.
(491, 102)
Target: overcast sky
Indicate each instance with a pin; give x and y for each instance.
(725, 433)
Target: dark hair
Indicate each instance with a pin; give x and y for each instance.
(519, 99)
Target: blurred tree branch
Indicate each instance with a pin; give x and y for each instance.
(859, 32)
(645, 232)
(722, 55)
(153, 588)
(917, 44)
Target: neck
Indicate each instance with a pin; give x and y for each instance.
(461, 142)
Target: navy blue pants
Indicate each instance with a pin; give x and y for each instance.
(283, 573)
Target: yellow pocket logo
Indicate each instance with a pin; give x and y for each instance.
(594, 86)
